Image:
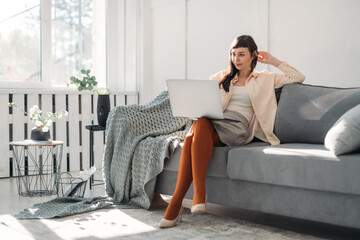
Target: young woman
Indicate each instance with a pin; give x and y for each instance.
(249, 105)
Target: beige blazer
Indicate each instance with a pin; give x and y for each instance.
(260, 86)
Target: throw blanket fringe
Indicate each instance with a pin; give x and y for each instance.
(138, 140)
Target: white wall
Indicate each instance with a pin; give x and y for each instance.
(212, 25)
(321, 38)
(163, 40)
(191, 38)
(123, 31)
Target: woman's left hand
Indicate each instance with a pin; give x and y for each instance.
(267, 58)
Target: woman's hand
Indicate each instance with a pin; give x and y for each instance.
(267, 58)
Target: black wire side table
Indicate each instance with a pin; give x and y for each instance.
(92, 129)
(38, 165)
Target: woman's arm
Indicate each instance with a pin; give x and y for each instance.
(218, 76)
(291, 75)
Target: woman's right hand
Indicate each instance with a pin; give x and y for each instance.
(267, 58)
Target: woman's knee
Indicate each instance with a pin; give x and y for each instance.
(203, 125)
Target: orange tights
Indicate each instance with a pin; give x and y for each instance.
(195, 157)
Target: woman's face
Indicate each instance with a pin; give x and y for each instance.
(241, 58)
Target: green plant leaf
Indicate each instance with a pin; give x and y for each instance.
(86, 83)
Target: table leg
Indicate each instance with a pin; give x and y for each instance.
(91, 156)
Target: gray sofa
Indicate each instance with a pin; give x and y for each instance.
(301, 177)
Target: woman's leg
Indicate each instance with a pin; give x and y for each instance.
(183, 181)
(204, 139)
(201, 140)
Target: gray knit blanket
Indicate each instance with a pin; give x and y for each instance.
(138, 140)
(65, 206)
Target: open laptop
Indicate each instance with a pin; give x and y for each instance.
(195, 98)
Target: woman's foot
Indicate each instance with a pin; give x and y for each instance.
(199, 208)
(164, 223)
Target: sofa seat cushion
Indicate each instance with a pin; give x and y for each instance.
(216, 168)
(309, 166)
(218, 163)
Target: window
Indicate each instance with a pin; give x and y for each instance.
(78, 39)
(37, 54)
(20, 58)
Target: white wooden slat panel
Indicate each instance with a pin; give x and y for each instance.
(18, 118)
(111, 101)
(95, 109)
(98, 140)
(46, 106)
(120, 100)
(98, 148)
(18, 122)
(74, 149)
(60, 105)
(86, 119)
(4, 136)
(32, 99)
(95, 121)
(132, 99)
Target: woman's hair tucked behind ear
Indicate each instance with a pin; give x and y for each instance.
(241, 41)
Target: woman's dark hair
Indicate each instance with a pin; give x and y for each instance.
(241, 41)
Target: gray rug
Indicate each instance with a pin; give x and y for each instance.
(142, 224)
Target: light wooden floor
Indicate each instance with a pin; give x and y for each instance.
(11, 203)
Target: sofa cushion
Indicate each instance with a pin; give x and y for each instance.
(218, 163)
(344, 136)
(306, 113)
(308, 166)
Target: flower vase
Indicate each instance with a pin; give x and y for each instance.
(38, 135)
(103, 109)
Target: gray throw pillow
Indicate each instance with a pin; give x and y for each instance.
(344, 136)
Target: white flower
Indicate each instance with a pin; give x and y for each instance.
(11, 104)
(38, 123)
(35, 110)
(36, 116)
(48, 122)
(32, 111)
(66, 113)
